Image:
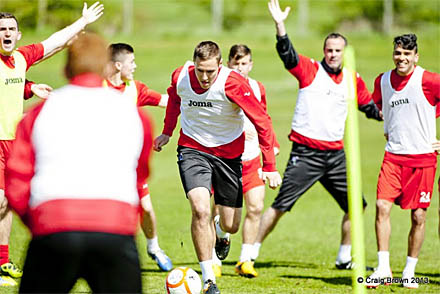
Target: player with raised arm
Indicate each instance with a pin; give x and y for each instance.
(14, 64)
(121, 77)
(212, 100)
(317, 130)
(408, 96)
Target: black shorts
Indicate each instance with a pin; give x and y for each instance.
(108, 262)
(200, 169)
(306, 166)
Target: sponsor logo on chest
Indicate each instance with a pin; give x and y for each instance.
(13, 81)
(399, 102)
(335, 94)
(199, 103)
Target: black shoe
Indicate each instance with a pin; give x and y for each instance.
(222, 246)
(350, 265)
(210, 288)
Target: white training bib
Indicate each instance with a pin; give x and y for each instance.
(209, 118)
(409, 118)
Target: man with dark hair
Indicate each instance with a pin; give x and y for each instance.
(120, 76)
(211, 100)
(13, 65)
(317, 130)
(408, 96)
(81, 208)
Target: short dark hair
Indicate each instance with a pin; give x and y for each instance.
(407, 42)
(4, 15)
(206, 50)
(118, 49)
(335, 36)
(238, 51)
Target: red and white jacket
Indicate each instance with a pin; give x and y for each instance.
(80, 161)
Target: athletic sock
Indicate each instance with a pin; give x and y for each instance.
(255, 251)
(220, 233)
(344, 254)
(246, 252)
(207, 272)
(410, 266)
(153, 245)
(4, 254)
(215, 259)
(384, 260)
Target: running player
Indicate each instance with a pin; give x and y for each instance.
(317, 130)
(408, 96)
(121, 71)
(13, 65)
(211, 100)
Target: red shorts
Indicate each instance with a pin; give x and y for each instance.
(251, 177)
(409, 187)
(5, 148)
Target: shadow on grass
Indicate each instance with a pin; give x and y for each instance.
(278, 264)
(332, 280)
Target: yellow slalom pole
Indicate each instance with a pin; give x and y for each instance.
(354, 177)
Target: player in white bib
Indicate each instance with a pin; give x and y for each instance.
(240, 59)
(211, 101)
(317, 130)
(408, 96)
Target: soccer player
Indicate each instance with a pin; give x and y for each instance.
(407, 95)
(240, 59)
(317, 130)
(211, 100)
(81, 208)
(13, 65)
(121, 70)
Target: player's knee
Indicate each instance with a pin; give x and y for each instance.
(233, 228)
(418, 217)
(254, 210)
(202, 214)
(382, 208)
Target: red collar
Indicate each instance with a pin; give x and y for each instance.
(87, 80)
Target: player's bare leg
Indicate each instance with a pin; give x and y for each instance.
(254, 200)
(383, 232)
(415, 241)
(202, 230)
(226, 223)
(148, 225)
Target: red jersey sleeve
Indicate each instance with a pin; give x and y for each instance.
(377, 92)
(173, 106)
(363, 95)
(146, 96)
(264, 104)
(431, 87)
(142, 169)
(235, 88)
(305, 71)
(27, 89)
(32, 53)
(20, 167)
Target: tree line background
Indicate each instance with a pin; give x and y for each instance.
(311, 16)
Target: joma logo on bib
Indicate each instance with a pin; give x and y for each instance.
(399, 102)
(13, 81)
(199, 103)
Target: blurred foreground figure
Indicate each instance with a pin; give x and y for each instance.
(74, 186)
(13, 66)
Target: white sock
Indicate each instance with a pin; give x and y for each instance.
(410, 266)
(153, 245)
(344, 254)
(384, 260)
(220, 233)
(207, 272)
(215, 259)
(246, 252)
(255, 251)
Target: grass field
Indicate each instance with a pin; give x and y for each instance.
(298, 257)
